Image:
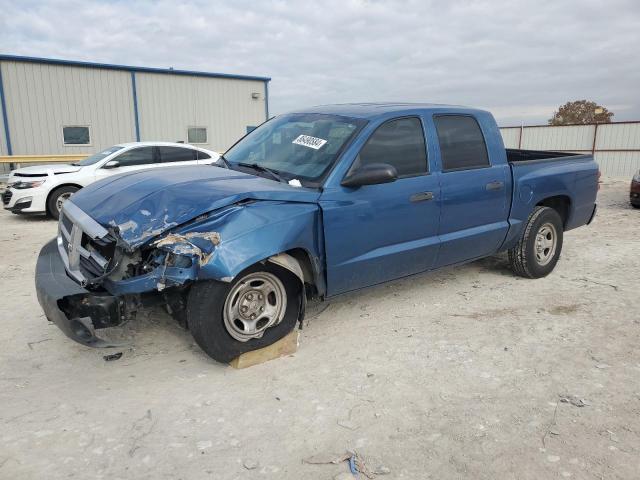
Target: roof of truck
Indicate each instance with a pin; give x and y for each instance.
(370, 110)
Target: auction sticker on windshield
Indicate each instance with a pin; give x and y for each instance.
(309, 141)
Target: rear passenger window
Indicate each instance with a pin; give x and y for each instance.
(136, 156)
(176, 154)
(461, 142)
(398, 142)
(202, 155)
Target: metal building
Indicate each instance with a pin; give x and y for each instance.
(60, 107)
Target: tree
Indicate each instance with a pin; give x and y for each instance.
(580, 112)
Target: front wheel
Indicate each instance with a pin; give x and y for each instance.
(538, 250)
(57, 198)
(259, 307)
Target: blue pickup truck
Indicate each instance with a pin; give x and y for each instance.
(311, 204)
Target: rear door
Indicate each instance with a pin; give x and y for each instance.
(474, 203)
(175, 156)
(376, 233)
(204, 158)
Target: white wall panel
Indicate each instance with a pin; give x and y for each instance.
(622, 137)
(41, 98)
(510, 136)
(618, 136)
(558, 138)
(618, 164)
(169, 104)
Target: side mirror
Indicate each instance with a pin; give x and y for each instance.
(371, 174)
(111, 164)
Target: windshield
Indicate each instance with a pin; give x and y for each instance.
(96, 157)
(301, 146)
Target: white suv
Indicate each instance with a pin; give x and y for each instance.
(43, 188)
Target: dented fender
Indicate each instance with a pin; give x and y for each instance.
(228, 241)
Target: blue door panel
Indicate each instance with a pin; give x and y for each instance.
(474, 213)
(376, 233)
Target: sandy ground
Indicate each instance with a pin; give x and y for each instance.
(457, 374)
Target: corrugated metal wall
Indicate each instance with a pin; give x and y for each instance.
(169, 104)
(42, 98)
(616, 146)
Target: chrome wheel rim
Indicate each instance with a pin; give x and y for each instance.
(546, 243)
(61, 199)
(254, 304)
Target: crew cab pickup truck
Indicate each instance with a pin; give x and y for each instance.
(314, 203)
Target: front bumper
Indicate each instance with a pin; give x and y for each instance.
(30, 200)
(75, 310)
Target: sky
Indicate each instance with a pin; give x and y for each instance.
(519, 59)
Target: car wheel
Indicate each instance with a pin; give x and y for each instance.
(538, 250)
(57, 198)
(259, 307)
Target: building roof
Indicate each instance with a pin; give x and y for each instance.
(128, 68)
(370, 110)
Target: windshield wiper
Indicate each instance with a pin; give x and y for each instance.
(275, 175)
(225, 162)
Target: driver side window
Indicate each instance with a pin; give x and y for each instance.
(399, 142)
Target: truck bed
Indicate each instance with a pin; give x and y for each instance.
(515, 155)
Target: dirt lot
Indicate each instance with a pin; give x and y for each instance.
(457, 374)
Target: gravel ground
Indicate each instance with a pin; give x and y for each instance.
(457, 374)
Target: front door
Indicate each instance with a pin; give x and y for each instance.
(376, 233)
(137, 158)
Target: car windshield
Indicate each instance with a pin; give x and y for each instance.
(301, 146)
(96, 157)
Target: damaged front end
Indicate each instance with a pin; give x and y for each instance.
(88, 279)
(95, 276)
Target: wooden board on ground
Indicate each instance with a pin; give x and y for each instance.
(285, 346)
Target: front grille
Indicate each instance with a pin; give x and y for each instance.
(86, 248)
(6, 196)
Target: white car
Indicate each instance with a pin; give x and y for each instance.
(43, 188)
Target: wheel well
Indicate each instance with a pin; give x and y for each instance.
(303, 259)
(59, 187)
(314, 284)
(561, 204)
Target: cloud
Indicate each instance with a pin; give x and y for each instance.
(519, 59)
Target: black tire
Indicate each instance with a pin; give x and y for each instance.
(52, 202)
(635, 205)
(205, 306)
(523, 257)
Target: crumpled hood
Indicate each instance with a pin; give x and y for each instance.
(144, 204)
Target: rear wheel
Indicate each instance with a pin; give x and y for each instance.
(538, 250)
(57, 198)
(258, 308)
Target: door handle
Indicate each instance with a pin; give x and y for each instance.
(421, 197)
(495, 185)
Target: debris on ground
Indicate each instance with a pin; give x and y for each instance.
(326, 458)
(250, 464)
(357, 464)
(348, 424)
(573, 400)
(112, 357)
(31, 344)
